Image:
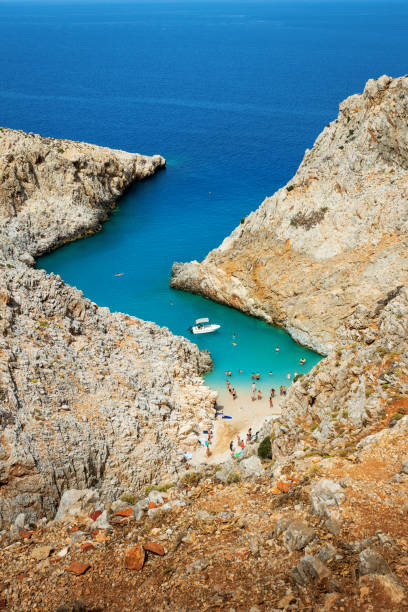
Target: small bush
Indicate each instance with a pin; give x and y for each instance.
(290, 188)
(243, 220)
(265, 449)
(128, 498)
(234, 477)
(191, 479)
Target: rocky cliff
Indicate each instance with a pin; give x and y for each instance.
(87, 398)
(335, 236)
(53, 191)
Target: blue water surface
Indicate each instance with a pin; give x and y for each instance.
(231, 93)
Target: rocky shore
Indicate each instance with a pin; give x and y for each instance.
(334, 237)
(87, 397)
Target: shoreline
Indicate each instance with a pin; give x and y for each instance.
(245, 413)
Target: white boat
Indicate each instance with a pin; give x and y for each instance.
(203, 326)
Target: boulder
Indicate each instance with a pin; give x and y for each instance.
(75, 502)
(251, 467)
(309, 569)
(371, 562)
(298, 535)
(384, 587)
(325, 496)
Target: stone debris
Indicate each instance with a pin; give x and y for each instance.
(155, 548)
(309, 569)
(297, 535)
(78, 568)
(135, 558)
(371, 562)
(41, 552)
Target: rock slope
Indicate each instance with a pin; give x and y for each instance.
(87, 398)
(334, 237)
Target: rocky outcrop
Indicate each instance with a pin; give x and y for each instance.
(54, 191)
(334, 237)
(359, 389)
(88, 398)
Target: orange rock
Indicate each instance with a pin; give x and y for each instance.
(284, 487)
(23, 533)
(135, 557)
(85, 546)
(94, 515)
(242, 553)
(154, 547)
(126, 512)
(78, 568)
(153, 505)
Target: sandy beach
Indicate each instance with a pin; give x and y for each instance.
(245, 413)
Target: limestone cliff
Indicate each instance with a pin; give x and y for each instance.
(335, 236)
(53, 191)
(87, 398)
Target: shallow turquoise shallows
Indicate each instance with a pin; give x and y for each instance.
(231, 93)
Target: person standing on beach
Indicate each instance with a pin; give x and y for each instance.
(234, 394)
(259, 394)
(271, 402)
(253, 387)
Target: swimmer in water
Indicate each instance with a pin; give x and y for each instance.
(277, 349)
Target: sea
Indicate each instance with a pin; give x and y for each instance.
(230, 93)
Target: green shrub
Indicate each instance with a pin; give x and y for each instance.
(234, 477)
(128, 498)
(265, 448)
(191, 479)
(290, 188)
(243, 220)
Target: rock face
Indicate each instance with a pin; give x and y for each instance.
(54, 191)
(87, 398)
(359, 389)
(334, 237)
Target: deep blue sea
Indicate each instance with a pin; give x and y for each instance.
(231, 93)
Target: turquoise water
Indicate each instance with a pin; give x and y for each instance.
(231, 93)
(131, 244)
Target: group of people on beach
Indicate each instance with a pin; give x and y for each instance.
(240, 443)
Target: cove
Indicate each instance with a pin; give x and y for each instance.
(230, 93)
(136, 243)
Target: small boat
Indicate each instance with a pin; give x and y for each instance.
(201, 326)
